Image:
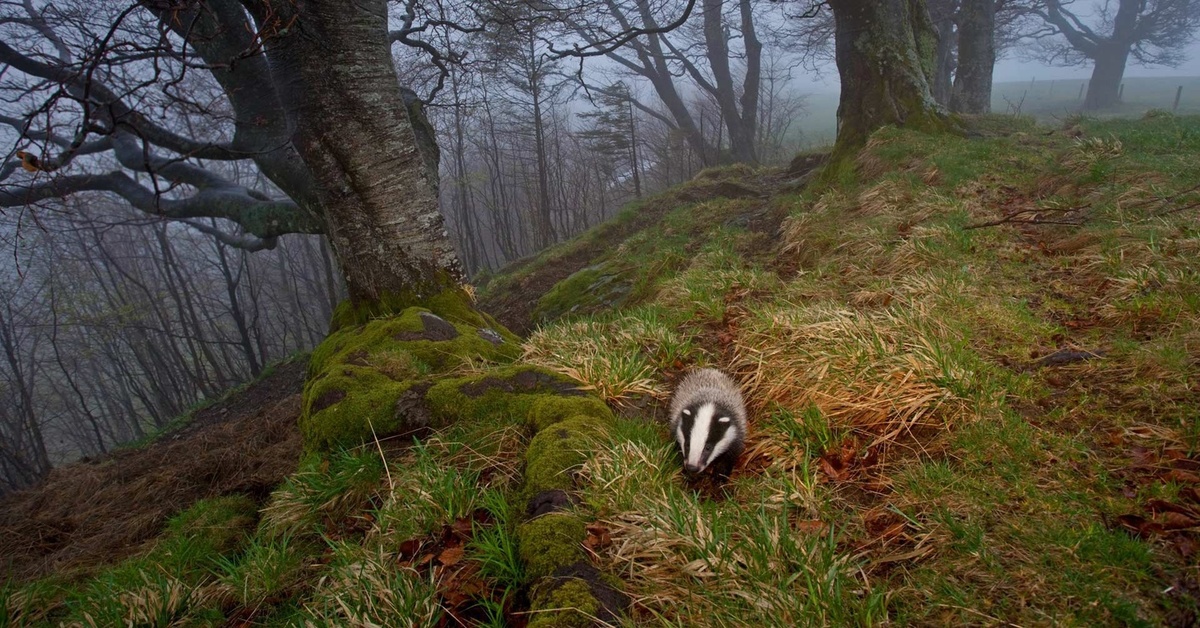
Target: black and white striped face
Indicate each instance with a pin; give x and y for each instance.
(706, 430)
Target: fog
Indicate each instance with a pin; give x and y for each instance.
(1012, 68)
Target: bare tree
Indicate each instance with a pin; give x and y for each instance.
(1154, 32)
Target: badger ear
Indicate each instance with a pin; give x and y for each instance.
(723, 419)
(687, 412)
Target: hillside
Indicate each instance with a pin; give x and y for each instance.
(974, 372)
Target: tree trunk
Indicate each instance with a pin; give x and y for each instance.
(976, 57)
(1106, 76)
(351, 126)
(945, 61)
(885, 56)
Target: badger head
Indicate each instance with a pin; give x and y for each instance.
(705, 430)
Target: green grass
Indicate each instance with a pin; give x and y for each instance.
(910, 461)
(905, 329)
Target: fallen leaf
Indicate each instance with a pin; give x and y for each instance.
(450, 555)
(1140, 526)
(1160, 505)
(1178, 521)
(1184, 544)
(409, 548)
(810, 526)
(463, 527)
(598, 537)
(1143, 457)
(1183, 477)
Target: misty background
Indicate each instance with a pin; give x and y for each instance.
(114, 322)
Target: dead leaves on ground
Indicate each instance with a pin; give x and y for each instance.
(461, 587)
(1175, 522)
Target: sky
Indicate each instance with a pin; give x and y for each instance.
(1013, 68)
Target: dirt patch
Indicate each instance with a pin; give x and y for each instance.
(99, 511)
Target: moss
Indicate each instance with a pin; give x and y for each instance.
(365, 402)
(575, 604)
(359, 372)
(549, 542)
(546, 411)
(358, 344)
(510, 391)
(555, 451)
(599, 287)
(451, 304)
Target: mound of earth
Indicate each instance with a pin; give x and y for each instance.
(96, 512)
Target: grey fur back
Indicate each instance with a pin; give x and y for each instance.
(708, 385)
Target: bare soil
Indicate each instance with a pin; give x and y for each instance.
(96, 512)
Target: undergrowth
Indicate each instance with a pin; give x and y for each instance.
(973, 369)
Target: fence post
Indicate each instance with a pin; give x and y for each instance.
(1178, 94)
(1081, 90)
(1121, 93)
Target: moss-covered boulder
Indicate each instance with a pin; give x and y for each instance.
(510, 390)
(360, 372)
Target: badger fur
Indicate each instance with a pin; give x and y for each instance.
(708, 420)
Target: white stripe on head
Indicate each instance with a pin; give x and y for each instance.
(700, 429)
(722, 445)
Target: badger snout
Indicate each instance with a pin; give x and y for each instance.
(692, 468)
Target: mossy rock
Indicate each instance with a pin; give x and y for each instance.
(549, 542)
(573, 603)
(357, 375)
(547, 411)
(557, 450)
(579, 595)
(511, 391)
(452, 304)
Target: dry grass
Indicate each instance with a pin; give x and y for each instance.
(612, 359)
(882, 372)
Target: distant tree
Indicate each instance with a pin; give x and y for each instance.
(613, 133)
(721, 57)
(1155, 32)
(972, 89)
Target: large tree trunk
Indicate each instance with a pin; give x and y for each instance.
(352, 128)
(945, 60)
(885, 57)
(976, 57)
(1105, 85)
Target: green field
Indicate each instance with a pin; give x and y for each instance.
(1045, 100)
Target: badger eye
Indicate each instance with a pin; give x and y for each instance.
(723, 419)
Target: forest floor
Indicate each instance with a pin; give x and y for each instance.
(973, 370)
(99, 511)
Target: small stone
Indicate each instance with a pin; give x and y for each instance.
(491, 336)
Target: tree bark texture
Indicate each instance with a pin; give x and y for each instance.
(885, 53)
(339, 85)
(945, 60)
(976, 57)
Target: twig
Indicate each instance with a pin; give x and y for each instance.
(1014, 218)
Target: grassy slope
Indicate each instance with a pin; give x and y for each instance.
(912, 460)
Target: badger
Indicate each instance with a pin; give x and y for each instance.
(708, 419)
